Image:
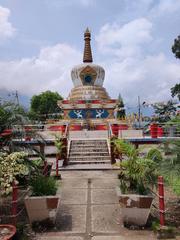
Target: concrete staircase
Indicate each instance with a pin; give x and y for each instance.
(89, 154)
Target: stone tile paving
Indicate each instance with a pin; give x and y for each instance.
(89, 209)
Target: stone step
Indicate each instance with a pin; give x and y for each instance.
(75, 167)
(90, 150)
(84, 154)
(89, 146)
(88, 143)
(89, 158)
(90, 162)
(89, 140)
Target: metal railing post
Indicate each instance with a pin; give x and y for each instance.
(161, 200)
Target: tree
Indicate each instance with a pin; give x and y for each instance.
(164, 111)
(11, 114)
(121, 112)
(44, 104)
(176, 47)
(175, 91)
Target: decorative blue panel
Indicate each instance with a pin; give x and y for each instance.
(88, 113)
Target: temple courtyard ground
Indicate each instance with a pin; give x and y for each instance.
(89, 209)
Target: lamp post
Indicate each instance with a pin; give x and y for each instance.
(139, 111)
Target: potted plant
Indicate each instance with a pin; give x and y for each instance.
(137, 178)
(7, 231)
(43, 202)
(59, 150)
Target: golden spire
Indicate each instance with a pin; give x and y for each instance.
(87, 47)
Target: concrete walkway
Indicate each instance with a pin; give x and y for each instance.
(89, 209)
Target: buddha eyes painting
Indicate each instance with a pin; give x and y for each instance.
(87, 79)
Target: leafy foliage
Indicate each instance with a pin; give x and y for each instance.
(170, 166)
(43, 186)
(175, 91)
(175, 182)
(59, 144)
(11, 166)
(44, 104)
(176, 47)
(164, 111)
(137, 175)
(11, 114)
(155, 155)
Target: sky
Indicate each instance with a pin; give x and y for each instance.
(41, 40)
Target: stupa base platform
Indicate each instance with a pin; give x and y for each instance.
(88, 109)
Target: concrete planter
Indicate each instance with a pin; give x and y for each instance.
(135, 208)
(60, 162)
(42, 208)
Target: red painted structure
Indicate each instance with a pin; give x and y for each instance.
(161, 200)
(154, 130)
(116, 127)
(160, 132)
(14, 202)
(101, 127)
(57, 128)
(75, 127)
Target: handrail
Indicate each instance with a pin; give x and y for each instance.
(110, 133)
(66, 133)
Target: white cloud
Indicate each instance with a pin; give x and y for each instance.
(67, 3)
(49, 71)
(167, 6)
(130, 69)
(151, 78)
(6, 28)
(126, 39)
(87, 3)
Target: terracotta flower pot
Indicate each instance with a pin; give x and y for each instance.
(7, 231)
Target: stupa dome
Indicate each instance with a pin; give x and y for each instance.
(88, 74)
(88, 77)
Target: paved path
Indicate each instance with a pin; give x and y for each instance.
(89, 209)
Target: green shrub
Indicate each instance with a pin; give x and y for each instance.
(155, 155)
(137, 175)
(176, 185)
(43, 186)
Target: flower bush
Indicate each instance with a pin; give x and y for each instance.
(11, 166)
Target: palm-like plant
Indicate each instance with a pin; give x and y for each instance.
(121, 147)
(59, 145)
(137, 175)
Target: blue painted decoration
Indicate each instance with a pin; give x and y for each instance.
(88, 113)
